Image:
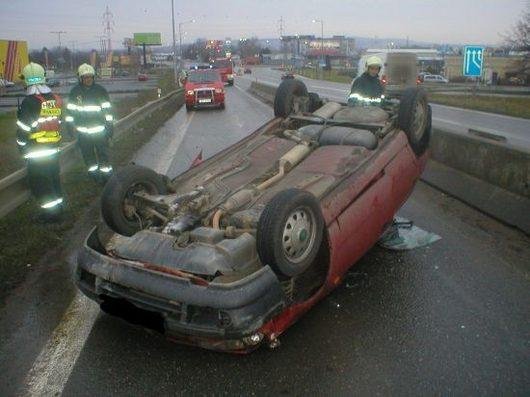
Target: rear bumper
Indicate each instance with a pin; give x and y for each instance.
(198, 314)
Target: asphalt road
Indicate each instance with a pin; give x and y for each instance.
(516, 130)
(451, 318)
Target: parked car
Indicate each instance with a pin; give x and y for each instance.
(235, 250)
(204, 88)
(142, 77)
(434, 78)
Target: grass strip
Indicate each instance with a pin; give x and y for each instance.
(510, 106)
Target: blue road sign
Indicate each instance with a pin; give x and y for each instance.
(473, 60)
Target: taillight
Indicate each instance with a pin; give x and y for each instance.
(219, 90)
(190, 92)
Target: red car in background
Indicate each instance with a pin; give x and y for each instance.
(225, 68)
(204, 88)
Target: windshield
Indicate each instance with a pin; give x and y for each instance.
(222, 63)
(203, 77)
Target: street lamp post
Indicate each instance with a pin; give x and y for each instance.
(321, 36)
(174, 41)
(180, 39)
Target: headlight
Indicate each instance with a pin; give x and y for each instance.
(190, 92)
(219, 90)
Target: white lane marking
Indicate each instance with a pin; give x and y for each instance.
(447, 122)
(168, 151)
(55, 362)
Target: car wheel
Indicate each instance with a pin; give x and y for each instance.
(121, 211)
(189, 108)
(290, 231)
(285, 99)
(230, 83)
(414, 118)
(222, 106)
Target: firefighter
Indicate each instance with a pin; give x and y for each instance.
(89, 114)
(38, 137)
(368, 88)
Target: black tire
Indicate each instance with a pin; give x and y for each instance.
(414, 118)
(189, 108)
(222, 106)
(119, 188)
(287, 91)
(289, 211)
(314, 102)
(230, 83)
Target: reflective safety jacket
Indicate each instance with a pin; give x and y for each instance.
(39, 122)
(89, 109)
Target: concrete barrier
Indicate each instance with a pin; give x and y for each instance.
(489, 160)
(482, 171)
(14, 190)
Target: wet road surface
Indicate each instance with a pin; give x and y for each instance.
(451, 318)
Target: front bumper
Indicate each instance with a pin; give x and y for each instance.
(215, 315)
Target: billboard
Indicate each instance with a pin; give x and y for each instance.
(13, 57)
(147, 39)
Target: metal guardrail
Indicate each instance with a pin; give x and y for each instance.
(14, 190)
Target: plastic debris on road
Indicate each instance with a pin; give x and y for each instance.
(403, 235)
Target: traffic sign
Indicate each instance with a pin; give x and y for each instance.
(473, 60)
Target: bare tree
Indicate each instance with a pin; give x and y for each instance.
(519, 37)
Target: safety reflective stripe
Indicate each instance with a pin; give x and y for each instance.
(91, 130)
(108, 117)
(365, 99)
(92, 168)
(87, 108)
(69, 119)
(105, 105)
(25, 127)
(41, 153)
(46, 119)
(53, 203)
(21, 143)
(34, 124)
(105, 169)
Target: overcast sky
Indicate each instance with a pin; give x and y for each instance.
(439, 21)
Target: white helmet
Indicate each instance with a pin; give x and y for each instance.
(85, 69)
(374, 61)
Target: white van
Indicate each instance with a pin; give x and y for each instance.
(399, 68)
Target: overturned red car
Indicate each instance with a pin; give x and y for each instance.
(232, 252)
(204, 88)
